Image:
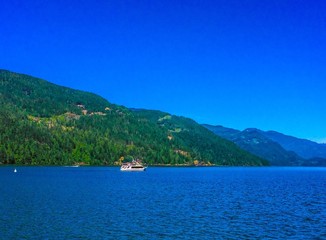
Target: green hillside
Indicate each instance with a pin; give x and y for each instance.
(45, 124)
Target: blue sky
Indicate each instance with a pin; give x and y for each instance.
(236, 63)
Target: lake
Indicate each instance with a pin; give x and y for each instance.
(162, 203)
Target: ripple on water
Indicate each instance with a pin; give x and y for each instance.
(163, 203)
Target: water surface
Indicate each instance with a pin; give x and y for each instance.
(162, 203)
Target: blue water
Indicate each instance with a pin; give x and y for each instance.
(162, 203)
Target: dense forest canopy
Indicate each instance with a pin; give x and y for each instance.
(45, 124)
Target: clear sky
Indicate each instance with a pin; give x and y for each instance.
(236, 63)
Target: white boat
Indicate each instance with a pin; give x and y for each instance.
(134, 166)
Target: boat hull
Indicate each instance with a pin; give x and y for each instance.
(133, 169)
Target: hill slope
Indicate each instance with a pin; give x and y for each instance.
(304, 148)
(45, 124)
(270, 145)
(200, 143)
(252, 140)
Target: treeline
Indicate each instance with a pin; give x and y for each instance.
(94, 140)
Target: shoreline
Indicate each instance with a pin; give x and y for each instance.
(161, 165)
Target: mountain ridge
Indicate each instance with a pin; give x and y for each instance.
(303, 147)
(42, 123)
(262, 144)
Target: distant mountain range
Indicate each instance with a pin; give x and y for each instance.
(277, 148)
(304, 148)
(45, 124)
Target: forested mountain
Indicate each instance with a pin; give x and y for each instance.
(45, 124)
(199, 142)
(261, 144)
